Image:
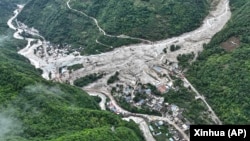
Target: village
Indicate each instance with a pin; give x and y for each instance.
(140, 96)
(147, 75)
(151, 97)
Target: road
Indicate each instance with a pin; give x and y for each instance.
(143, 126)
(149, 117)
(102, 104)
(214, 116)
(102, 30)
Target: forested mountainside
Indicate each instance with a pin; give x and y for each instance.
(5, 12)
(33, 109)
(147, 19)
(222, 71)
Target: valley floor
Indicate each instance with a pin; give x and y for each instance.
(140, 63)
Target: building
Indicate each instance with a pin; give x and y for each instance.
(157, 134)
(158, 70)
(153, 101)
(148, 91)
(176, 137)
(162, 88)
(185, 127)
(151, 128)
(160, 123)
(170, 84)
(171, 139)
(140, 102)
(128, 98)
(127, 90)
(174, 108)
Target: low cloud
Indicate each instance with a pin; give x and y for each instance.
(3, 39)
(48, 90)
(9, 126)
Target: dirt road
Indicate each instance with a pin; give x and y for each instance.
(102, 30)
(144, 127)
(215, 118)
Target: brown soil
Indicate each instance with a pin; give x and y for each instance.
(231, 44)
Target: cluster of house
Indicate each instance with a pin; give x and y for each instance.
(50, 50)
(61, 50)
(165, 85)
(177, 117)
(175, 135)
(147, 97)
(163, 70)
(153, 102)
(158, 130)
(39, 51)
(172, 111)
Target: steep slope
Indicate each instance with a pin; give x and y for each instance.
(152, 20)
(5, 12)
(35, 109)
(222, 72)
(119, 134)
(32, 108)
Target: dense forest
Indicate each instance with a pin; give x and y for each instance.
(222, 71)
(88, 79)
(152, 20)
(33, 109)
(148, 19)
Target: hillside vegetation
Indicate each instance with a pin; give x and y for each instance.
(33, 109)
(223, 75)
(148, 19)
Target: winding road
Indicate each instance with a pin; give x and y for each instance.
(136, 115)
(102, 30)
